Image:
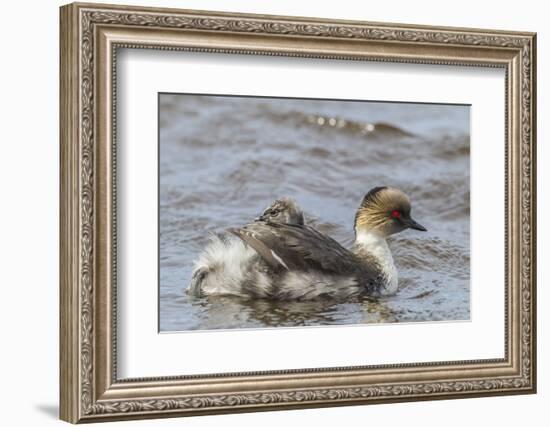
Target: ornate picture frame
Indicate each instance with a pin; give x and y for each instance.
(90, 37)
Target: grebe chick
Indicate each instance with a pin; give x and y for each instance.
(285, 261)
(285, 211)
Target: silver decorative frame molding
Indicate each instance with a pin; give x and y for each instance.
(90, 37)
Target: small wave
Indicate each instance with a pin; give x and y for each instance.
(337, 123)
(427, 254)
(450, 147)
(375, 129)
(448, 198)
(319, 152)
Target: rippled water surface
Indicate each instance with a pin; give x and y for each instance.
(224, 159)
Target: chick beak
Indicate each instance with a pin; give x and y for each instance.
(411, 223)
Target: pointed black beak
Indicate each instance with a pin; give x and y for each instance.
(411, 223)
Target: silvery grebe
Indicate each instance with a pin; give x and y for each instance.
(279, 257)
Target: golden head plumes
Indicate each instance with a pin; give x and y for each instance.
(385, 211)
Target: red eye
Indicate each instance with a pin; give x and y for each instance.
(396, 214)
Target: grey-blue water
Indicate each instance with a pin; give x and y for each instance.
(224, 159)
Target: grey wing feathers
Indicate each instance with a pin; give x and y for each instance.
(264, 251)
(298, 247)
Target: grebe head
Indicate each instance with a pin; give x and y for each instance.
(385, 211)
(285, 211)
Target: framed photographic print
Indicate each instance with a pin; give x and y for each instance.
(266, 212)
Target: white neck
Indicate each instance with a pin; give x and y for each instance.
(376, 245)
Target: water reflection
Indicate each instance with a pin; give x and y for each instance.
(219, 312)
